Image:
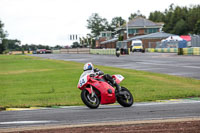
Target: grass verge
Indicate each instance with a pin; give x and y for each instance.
(30, 81)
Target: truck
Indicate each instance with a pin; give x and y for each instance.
(137, 46)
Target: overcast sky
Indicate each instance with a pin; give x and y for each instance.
(49, 22)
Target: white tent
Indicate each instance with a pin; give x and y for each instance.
(173, 38)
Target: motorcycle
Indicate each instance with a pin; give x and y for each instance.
(96, 90)
(117, 52)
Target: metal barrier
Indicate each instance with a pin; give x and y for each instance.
(195, 40)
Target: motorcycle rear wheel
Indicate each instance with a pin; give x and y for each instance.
(126, 100)
(88, 100)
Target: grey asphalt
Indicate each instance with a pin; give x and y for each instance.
(168, 63)
(105, 113)
(188, 66)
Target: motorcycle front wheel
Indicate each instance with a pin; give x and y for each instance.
(88, 100)
(125, 100)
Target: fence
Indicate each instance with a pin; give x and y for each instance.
(75, 51)
(195, 40)
(55, 51)
(86, 51)
(19, 52)
(154, 44)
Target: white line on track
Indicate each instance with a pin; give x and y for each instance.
(176, 101)
(25, 122)
(167, 102)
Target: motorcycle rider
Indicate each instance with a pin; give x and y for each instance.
(117, 52)
(89, 69)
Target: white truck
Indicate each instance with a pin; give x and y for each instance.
(137, 46)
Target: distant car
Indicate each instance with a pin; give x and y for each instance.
(48, 51)
(43, 51)
(35, 52)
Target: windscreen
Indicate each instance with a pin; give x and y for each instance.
(137, 44)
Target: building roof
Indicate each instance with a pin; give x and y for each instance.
(157, 35)
(108, 41)
(141, 22)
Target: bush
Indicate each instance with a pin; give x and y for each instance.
(6, 51)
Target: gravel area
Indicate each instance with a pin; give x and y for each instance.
(166, 127)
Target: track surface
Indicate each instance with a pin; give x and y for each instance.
(108, 113)
(168, 63)
(188, 66)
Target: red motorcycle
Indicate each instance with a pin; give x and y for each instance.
(96, 90)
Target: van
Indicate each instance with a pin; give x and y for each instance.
(137, 46)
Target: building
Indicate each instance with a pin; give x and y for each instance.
(104, 36)
(136, 27)
(150, 40)
(139, 26)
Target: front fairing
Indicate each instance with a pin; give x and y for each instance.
(84, 78)
(107, 92)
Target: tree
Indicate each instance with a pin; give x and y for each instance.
(180, 28)
(197, 27)
(168, 26)
(3, 34)
(137, 14)
(176, 20)
(93, 43)
(157, 16)
(75, 45)
(3, 46)
(58, 47)
(117, 22)
(13, 44)
(97, 24)
(192, 18)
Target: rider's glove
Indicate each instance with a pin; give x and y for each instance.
(99, 73)
(96, 70)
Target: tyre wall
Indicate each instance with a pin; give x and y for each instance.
(103, 51)
(180, 51)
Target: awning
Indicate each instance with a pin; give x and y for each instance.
(186, 37)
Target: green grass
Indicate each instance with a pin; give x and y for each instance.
(29, 81)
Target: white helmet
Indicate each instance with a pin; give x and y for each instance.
(88, 66)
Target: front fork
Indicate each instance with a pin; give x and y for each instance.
(91, 91)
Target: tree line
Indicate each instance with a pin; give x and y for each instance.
(179, 20)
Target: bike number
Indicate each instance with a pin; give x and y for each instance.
(83, 80)
(120, 77)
